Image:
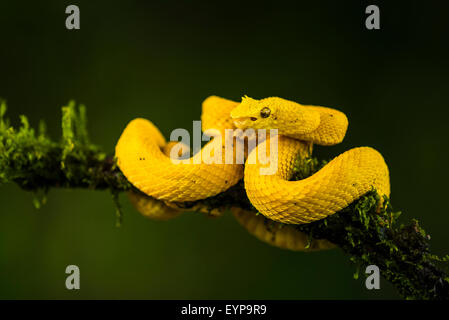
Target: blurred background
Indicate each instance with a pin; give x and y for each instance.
(159, 60)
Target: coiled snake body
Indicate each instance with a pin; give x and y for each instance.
(142, 155)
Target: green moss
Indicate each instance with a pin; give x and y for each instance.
(400, 251)
(306, 167)
(36, 163)
(21, 151)
(118, 208)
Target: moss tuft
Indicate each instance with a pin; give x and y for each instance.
(36, 163)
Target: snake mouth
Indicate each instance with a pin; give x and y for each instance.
(243, 122)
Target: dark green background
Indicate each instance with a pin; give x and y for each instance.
(159, 60)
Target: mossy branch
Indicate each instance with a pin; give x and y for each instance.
(36, 163)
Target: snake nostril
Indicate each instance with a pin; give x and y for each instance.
(253, 119)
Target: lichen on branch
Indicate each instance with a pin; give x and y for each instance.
(402, 252)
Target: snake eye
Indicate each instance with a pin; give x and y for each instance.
(265, 112)
(253, 119)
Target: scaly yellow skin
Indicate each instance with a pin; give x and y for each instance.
(319, 125)
(342, 181)
(150, 207)
(335, 186)
(277, 234)
(145, 165)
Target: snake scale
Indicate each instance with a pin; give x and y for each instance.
(144, 158)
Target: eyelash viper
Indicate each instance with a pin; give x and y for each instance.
(142, 156)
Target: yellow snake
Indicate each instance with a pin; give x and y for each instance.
(143, 157)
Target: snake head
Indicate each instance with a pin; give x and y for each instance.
(289, 117)
(256, 114)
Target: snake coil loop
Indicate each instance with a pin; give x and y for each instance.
(143, 157)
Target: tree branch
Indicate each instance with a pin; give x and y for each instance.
(402, 253)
